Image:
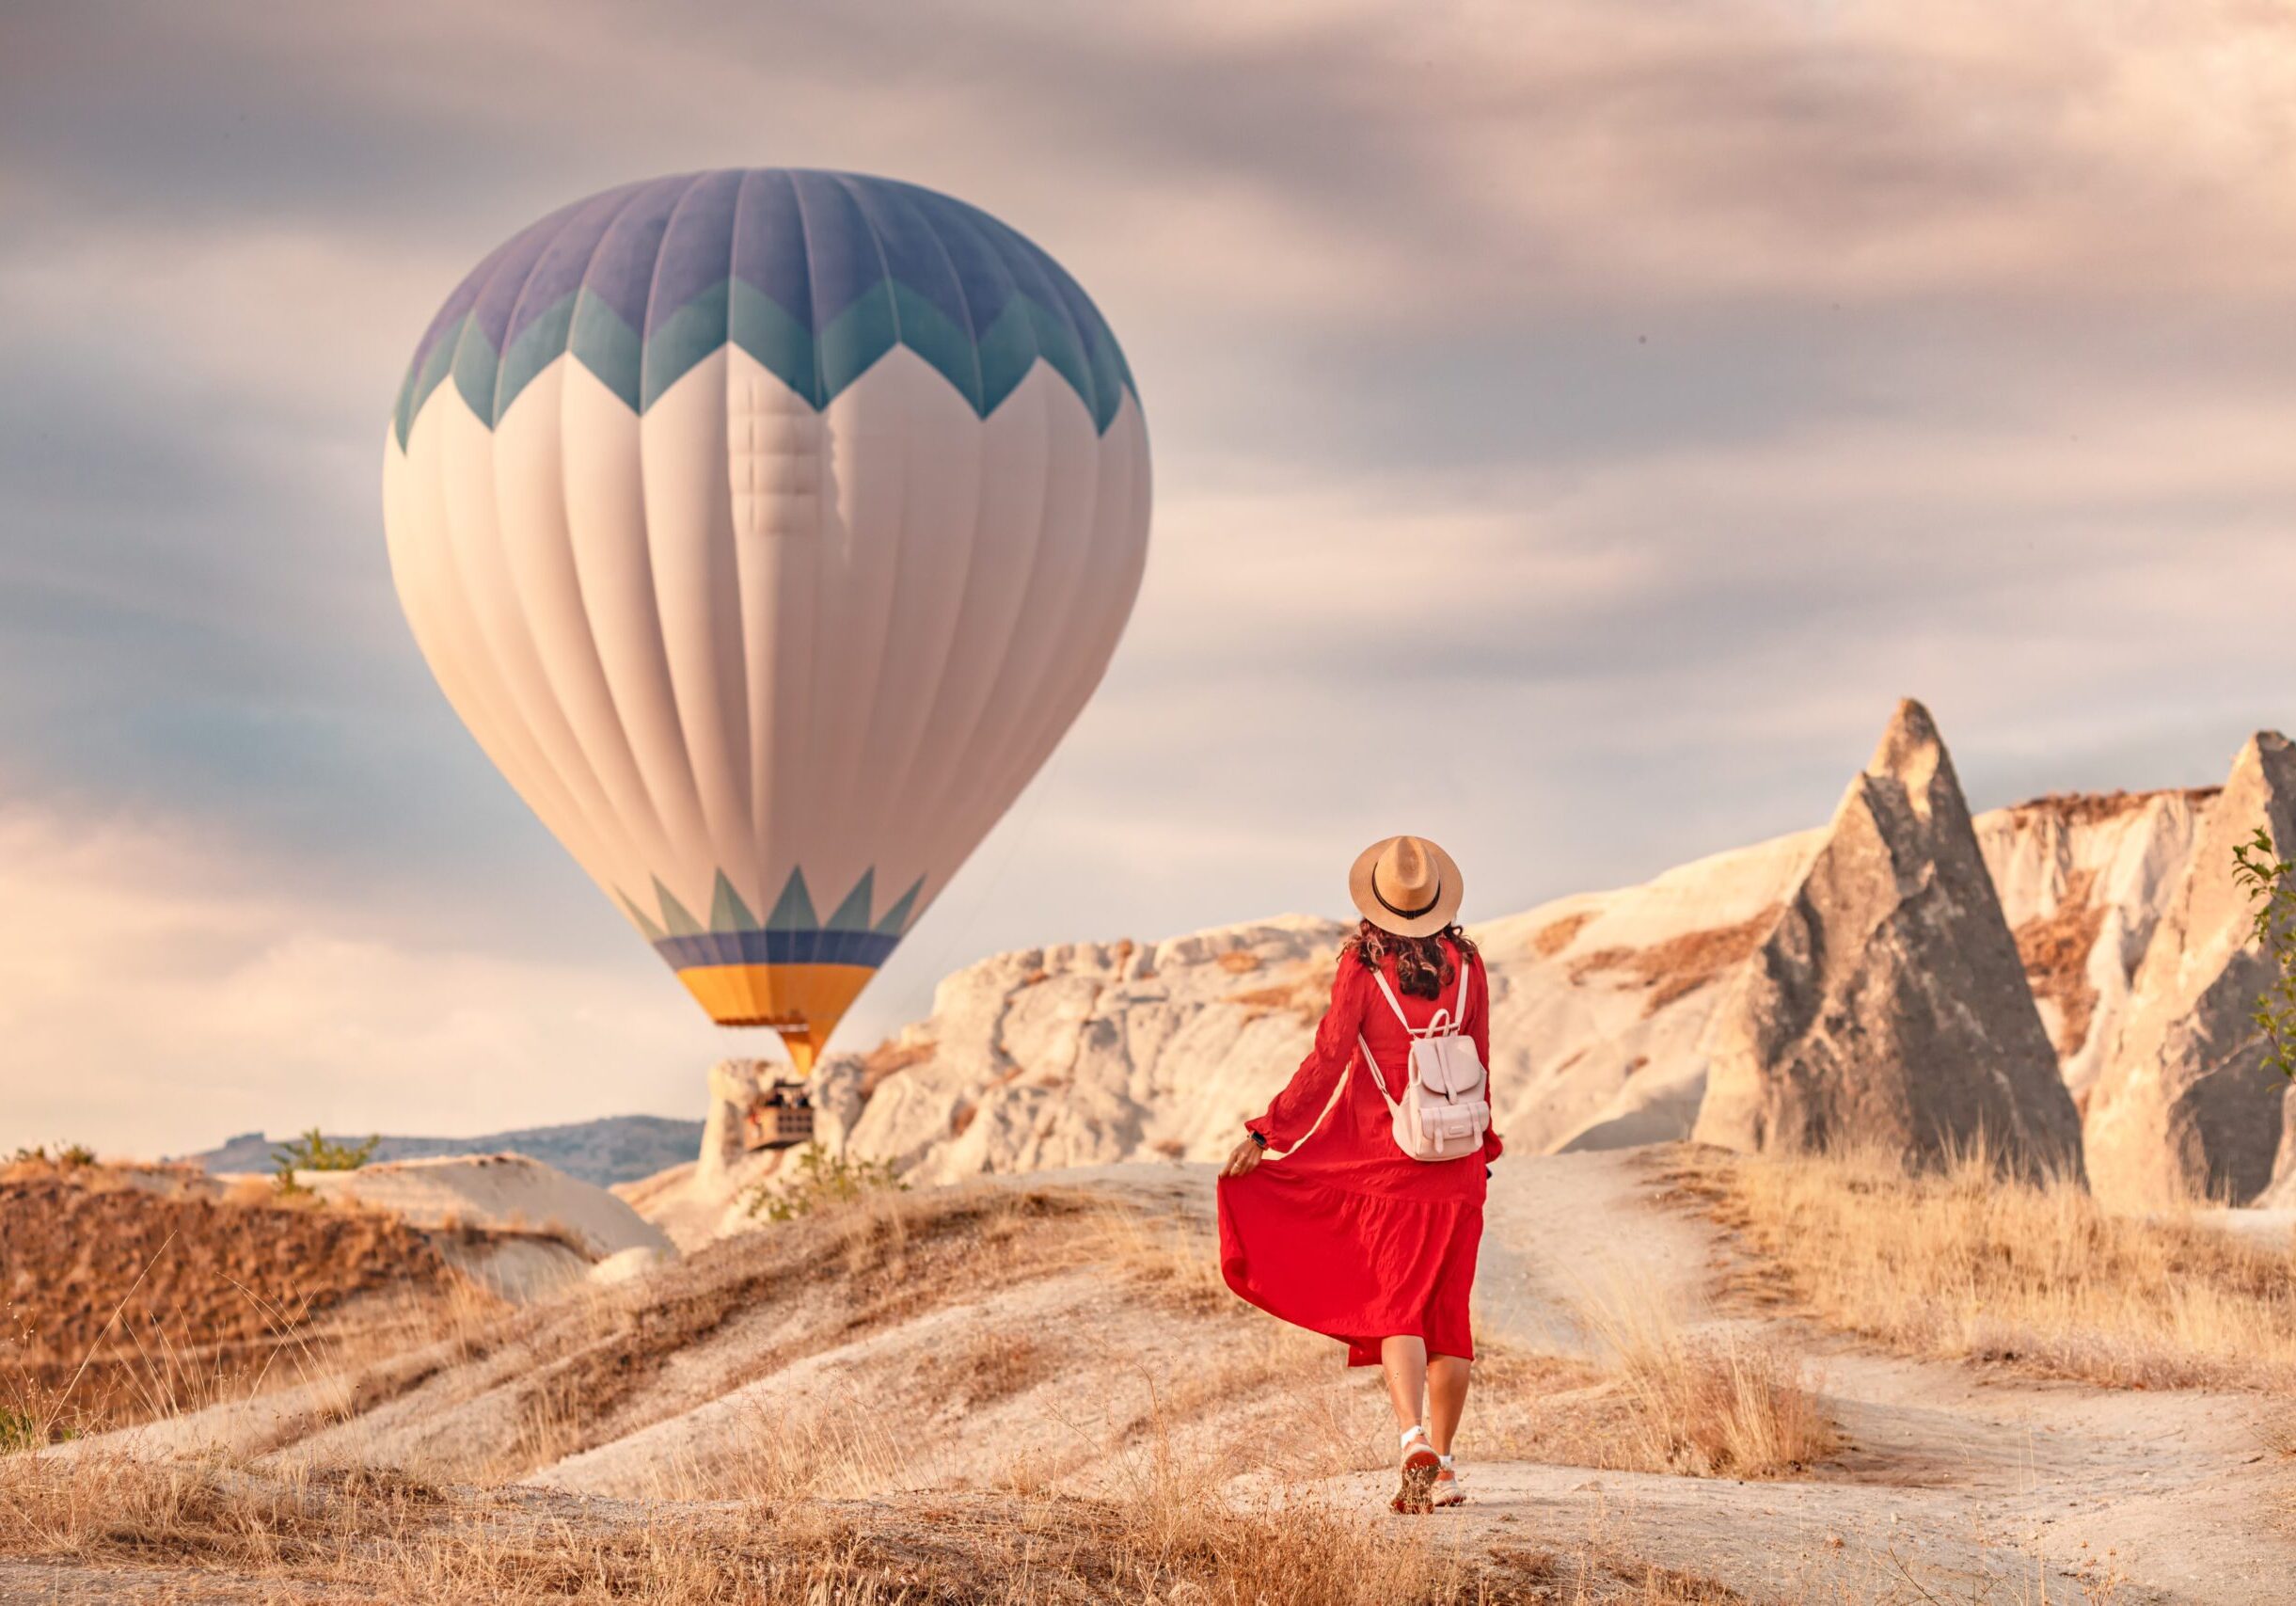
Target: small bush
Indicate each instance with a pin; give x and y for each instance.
(69, 1157)
(21, 1430)
(2269, 882)
(315, 1151)
(822, 1180)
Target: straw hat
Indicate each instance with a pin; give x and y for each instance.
(1408, 886)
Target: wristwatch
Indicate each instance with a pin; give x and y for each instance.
(1257, 1136)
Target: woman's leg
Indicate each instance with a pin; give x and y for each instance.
(1447, 1397)
(1403, 1362)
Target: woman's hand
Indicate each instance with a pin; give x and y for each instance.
(1247, 1155)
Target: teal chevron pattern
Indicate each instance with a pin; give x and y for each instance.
(984, 372)
(793, 911)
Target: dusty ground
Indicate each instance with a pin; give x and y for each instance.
(1962, 1483)
(1024, 1335)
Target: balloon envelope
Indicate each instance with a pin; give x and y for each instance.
(768, 528)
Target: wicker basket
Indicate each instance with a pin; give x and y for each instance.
(782, 1116)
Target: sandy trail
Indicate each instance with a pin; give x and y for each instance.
(1958, 1484)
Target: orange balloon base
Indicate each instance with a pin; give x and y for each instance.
(803, 1002)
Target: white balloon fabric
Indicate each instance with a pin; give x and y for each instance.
(768, 528)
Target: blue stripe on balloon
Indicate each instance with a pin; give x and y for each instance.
(817, 274)
(813, 947)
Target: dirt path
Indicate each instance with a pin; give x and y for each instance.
(1959, 1483)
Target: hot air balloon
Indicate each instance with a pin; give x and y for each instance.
(767, 529)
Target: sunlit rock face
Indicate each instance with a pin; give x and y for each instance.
(2082, 879)
(2183, 1110)
(1606, 1006)
(1888, 1004)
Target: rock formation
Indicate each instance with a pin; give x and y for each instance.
(2184, 1109)
(524, 1229)
(2281, 1193)
(1889, 1004)
(1604, 1009)
(2082, 879)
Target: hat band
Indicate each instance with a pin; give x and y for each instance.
(1427, 908)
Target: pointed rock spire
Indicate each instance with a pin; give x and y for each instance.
(1889, 1004)
(2184, 1108)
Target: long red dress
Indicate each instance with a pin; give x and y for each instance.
(1344, 1233)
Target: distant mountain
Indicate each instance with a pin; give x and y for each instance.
(619, 1149)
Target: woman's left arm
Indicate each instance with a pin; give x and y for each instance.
(1479, 1028)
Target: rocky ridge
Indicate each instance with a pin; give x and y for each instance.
(1605, 1008)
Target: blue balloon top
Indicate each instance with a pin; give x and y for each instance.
(815, 275)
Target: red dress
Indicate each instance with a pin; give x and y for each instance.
(1345, 1234)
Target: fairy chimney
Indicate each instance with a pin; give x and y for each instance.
(1889, 1004)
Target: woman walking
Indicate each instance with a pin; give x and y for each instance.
(1364, 1228)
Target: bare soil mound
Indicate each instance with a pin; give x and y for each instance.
(131, 1295)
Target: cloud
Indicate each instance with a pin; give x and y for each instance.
(1574, 424)
(165, 989)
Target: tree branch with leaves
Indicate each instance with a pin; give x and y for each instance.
(2269, 882)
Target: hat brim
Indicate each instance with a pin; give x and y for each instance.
(1450, 891)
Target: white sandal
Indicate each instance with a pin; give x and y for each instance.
(1419, 1471)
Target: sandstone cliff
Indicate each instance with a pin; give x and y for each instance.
(1889, 1003)
(2184, 1109)
(2082, 880)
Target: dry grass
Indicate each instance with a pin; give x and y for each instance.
(1729, 1405)
(1164, 1520)
(1658, 1401)
(1965, 1263)
(135, 1294)
(1661, 1401)
(1169, 1534)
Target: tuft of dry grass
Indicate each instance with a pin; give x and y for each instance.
(1177, 1257)
(1660, 1401)
(1965, 1263)
(1729, 1405)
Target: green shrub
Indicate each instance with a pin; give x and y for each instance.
(315, 1151)
(21, 1430)
(2270, 884)
(69, 1157)
(821, 1180)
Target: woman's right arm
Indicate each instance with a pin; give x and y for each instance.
(1292, 1113)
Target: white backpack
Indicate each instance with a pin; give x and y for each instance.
(1445, 1106)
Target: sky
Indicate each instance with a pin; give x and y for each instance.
(1575, 425)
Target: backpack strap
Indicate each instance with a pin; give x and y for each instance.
(1379, 1078)
(1393, 1002)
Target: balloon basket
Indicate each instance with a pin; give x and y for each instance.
(780, 1117)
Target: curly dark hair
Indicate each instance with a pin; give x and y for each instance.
(1422, 969)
